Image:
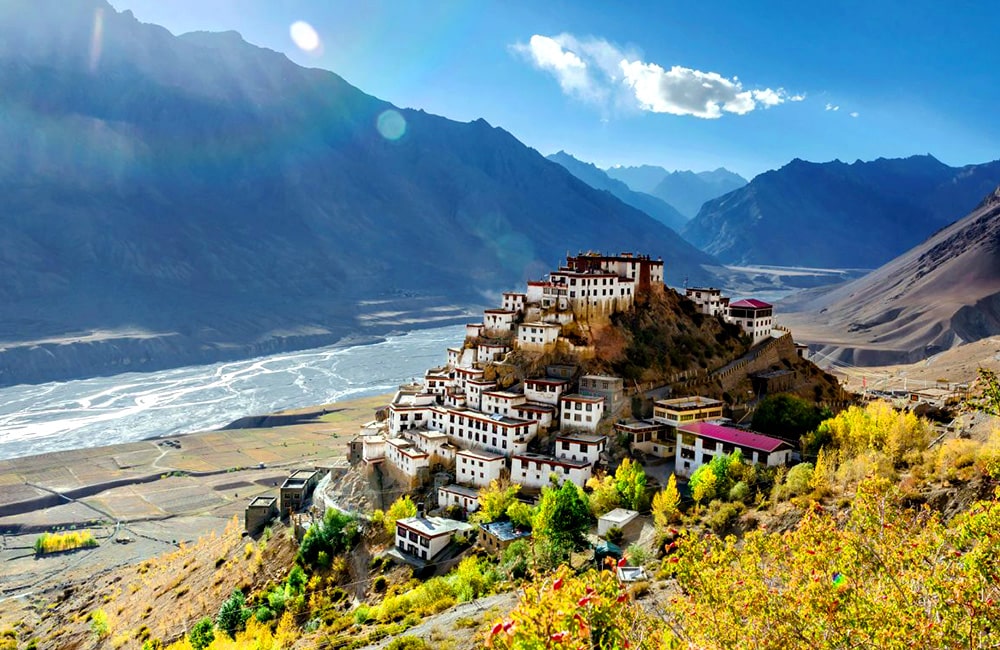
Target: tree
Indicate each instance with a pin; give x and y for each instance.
(233, 614)
(988, 399)
(563, 516)
(604, 495)
(202, 634)
(401, 508)
(875, 427)
(820, 482)
(788, 416)
(630, 480)
(520, 513)
(494, 501)
(798, 480)
(666, 503)
(336, 533)
(703, 484)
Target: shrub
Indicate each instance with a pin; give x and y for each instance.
(99, 623)
(739, 492)
(408, 642)
(202, 634)
(233, 614)
(615, 535)
(721, 516)
(798, 480)
(362, 614)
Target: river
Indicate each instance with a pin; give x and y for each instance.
(35, 419)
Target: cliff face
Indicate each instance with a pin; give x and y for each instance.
(219, 195)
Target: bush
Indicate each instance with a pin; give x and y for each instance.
(739, 492)
(721, 516)
(233, 614)
(615, 535)
(362, 614)
(798, 480)
(408, 642)
(202, 634)
(99, 623)
(337, 533)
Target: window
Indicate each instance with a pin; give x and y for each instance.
(706, 458)
(565, 445)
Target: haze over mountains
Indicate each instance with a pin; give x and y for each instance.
(685, 190)
(942, 293)
(839, 215)
(196, 197)
(598, 179)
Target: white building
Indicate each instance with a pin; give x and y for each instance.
(537, 336)
(627, 521)
(496, 433)
(474, 389)
(548, 294)
(410, 409)
(644, 271)
(534, 470)
(755, 317)
(612, 389)
(456, 495)
(699, 442)
(488, 352)
(543, 414)
(497, 322)
(649, 437)
(461, 357)
(433, 443)
(501, 401)
(473, 330)
(513, 301)
(406, 458)
(580, 412)
(710, 301)
(437, 381)
(372, 449)
(425, 537)
(464, 375)
(593, 293)
(545, 391)
(478, 468)
(580, 446)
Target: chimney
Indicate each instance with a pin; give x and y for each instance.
(420, 508)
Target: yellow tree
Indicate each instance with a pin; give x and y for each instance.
(604, 495)
(494, 501)
(401, 508)
(665, 503)
(820, 482)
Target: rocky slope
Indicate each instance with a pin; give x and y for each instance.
(940, 294)
(208, 191)
(838, 215)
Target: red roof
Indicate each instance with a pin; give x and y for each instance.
(733, 436)
(751, 303)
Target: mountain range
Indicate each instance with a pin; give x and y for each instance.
(598, 179)
(203, 192)
(687, 191)
(838, 215)
(940, 294)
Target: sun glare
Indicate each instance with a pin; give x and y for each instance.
(304, 36)
(391, 125)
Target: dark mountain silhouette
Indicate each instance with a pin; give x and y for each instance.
(598, 179)
(167, 200)
(940, 294)
(837, 215)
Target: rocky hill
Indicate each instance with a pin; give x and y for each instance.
(598, 179)
(940, 294)
(838, 215)
(688, 190)
(213, 194)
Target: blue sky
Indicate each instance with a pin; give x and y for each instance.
(685, 85)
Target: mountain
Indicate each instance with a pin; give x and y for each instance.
(174, 199)
(643, 178)
(838, 215)
(598, 179)
(688, 190)
(942, 293)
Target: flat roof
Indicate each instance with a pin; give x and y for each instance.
(303, 473)
(433, 526)
(733, 436)
(499, 311)
(537, 408)
(620, 515)
(589, 438)
(577, 397)
(603, 377)
(639, 425)
(505, 531)
(461, 490)
(551, 460)
(480, 455)
(262, 502)
(546, 380)
(692, 402)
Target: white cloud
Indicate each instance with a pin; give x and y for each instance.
(855, 114)
(831, 107)
(598, 72)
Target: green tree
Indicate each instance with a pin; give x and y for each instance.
(666, 503)
(233, 614)
(337, 533)
(202, 634)
(798, 480)
(788, 416)
(494, 501)
(563, 516)
(401, 508)
(630, 480)
(520, 513)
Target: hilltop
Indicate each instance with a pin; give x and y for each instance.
(183, 199)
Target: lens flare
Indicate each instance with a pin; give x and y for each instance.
(391, 125)
(304, 36)
(96, 39)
